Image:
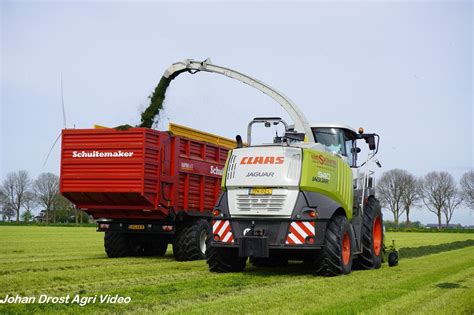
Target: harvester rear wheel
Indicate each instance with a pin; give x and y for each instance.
(190, 242)
(225, 260)
(116, 244)
(372, 236)
(336, 256)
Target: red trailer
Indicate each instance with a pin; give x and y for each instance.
(146, 188)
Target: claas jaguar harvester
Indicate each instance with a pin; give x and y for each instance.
(302, 196)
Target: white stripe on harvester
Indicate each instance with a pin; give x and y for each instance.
(300, 230)
(309, 226)
(224, 226)
(294, 239)
(227, 236)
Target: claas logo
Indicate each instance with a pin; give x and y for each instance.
(262, 160)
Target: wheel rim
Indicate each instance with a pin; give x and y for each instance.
(377, 235)
(346, 248)
(202, 241)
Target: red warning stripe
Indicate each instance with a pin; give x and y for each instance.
(299, 231)
(223, 229)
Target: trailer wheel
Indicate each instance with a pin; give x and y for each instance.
(275, 261)
(190, 242)
(116, 244)
(372, 237)
(225, 260)
(336, 256)
(158, 247)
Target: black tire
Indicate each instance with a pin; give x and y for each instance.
(190, 242)
(158, 247)
(392, 259)
(116, 244)
(336, 256)
(371, 256)
(225, 260)
(274, 261)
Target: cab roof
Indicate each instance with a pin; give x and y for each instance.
(333, 125)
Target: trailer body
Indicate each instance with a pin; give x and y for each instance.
(143, 181)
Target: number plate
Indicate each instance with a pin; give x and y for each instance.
(136, 227)
(261, 191)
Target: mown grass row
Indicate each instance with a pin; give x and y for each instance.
(60, 261)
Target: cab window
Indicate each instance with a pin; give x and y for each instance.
(332, 139)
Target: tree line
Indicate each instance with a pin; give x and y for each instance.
(400, 191)
(20, 195)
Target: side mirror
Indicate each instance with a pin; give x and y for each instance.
(370, 140)
(295, 136)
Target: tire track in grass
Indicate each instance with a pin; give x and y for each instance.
(85, 263)
(436, 297)
(99, 277)
(363, 290)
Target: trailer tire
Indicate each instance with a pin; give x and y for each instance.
(336, 256)
(225, 260)
(158, 247)
(372, 236)
(270, 262)
(116, 244)
(190, 242)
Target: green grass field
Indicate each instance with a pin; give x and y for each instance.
(57, 261)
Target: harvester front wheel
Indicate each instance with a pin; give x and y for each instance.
(116, 244)
(225, 260)
(372, 236)
(190, 242)
(336, 256)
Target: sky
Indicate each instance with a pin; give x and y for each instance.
(400, 69)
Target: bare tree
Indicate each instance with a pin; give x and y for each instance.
(30, 201)
(467, 186)
(453, 200)
(46, 187)
(436, 188)
(14, 187)
(3, 198)
(389, 191)
(410, 193)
